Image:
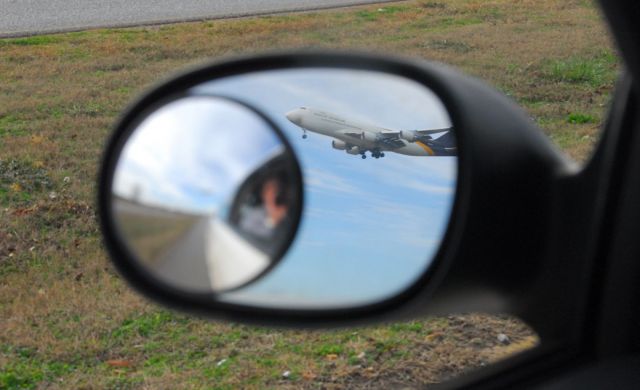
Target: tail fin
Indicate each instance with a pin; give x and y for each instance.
(448, 140)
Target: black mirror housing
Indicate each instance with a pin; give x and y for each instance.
(482, 262)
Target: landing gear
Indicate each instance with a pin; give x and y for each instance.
(377, 154)
(374, 153)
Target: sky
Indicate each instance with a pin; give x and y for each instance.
(370, 227)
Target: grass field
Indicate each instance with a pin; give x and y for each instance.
(67, 320)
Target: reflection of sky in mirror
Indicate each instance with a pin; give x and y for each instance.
(369, 227)
(191, 154)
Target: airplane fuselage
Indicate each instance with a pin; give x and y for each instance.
(354, 134)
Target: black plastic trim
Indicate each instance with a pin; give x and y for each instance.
(497, 142)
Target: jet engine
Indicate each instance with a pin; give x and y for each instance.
(337, 144)
(354, 150)
(413, 136)
(367, 136)
(409, 135)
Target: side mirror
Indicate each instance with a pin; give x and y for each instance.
(319, 186)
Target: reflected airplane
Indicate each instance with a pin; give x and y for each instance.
(358, 138)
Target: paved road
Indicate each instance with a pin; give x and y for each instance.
(184, 263)
(209, 256)
(27, 17)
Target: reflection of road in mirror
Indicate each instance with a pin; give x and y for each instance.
(180, 181)
(172, 243)
(197, 251)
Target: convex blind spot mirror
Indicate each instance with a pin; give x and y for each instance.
(206, 189)
(205, 194)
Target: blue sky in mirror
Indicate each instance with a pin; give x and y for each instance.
(189, 156)
(369, 227)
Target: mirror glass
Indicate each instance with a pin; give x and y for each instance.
(205, 194)
(378, 159)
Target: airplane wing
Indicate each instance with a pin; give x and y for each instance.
(390, 141)
(398, 133)
(433, 131)
(351, 133)
(415, 135)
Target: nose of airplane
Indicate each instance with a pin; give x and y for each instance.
(294, 116)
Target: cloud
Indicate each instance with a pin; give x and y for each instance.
(441, 189)
(317, 180)
(375, 97)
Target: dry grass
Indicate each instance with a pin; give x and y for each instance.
(68, 321)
